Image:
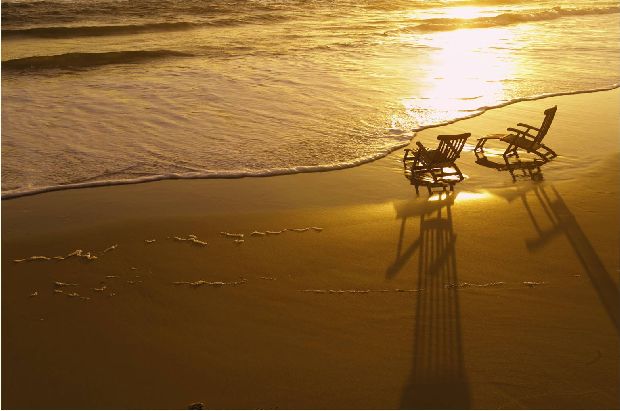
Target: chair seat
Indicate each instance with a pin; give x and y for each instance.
(521, 142)
(435, 157)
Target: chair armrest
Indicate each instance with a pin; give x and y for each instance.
(422, 154)
(528, 126)
(422, 151)
(410, 154)
(520, 132)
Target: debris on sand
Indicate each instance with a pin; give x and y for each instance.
(32, 258)
(533, 284)
(79, 253)
(76, 253)
(355, 291)
(192, 239)
(61, 284)
(468, 285)
(200, 283)
(237, 235)
(110, 248)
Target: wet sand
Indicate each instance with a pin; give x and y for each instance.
(504, 295)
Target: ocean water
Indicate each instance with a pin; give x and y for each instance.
(99, 92)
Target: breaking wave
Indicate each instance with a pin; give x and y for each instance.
(87, 60)
(9, 194)
(505, 19)
(84, 31)
(59, 32)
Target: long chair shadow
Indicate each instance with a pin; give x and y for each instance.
(437, 379)
(564, 222)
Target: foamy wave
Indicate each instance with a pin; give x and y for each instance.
(207, 175)
(61, 12)
(86, 60)
(283, 171)
(249, 19)
(84, 31)
(59, 32)
(446, 24)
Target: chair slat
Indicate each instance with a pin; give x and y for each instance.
(544, 128)
(450, 146)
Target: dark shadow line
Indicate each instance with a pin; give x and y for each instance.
(565, 222)
(437, 379)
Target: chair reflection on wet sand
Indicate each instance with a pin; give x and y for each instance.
(524, 139)
(519, 169)
(435, 168)
(562, 221)
(437, 379)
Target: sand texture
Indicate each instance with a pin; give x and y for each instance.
(328, 290)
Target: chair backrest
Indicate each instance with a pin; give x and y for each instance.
(549, 114)
(450, 146)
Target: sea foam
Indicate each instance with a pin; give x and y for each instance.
(503, 19)
(232, 174)
(102, 93)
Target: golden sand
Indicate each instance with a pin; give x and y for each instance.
(348, 290)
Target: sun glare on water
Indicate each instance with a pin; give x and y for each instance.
(457, 12)
(468, 12)
(467, 70)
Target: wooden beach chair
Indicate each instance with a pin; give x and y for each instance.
(524, 138)
(439, 164)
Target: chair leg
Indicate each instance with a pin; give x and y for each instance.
(510, 149)
(543, 156)
(458, 170)
(480, 145)
(512, 174)
(416, 163)
(435, 176)
(407, 157)
(548, 154)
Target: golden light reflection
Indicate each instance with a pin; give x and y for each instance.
(467, 72)
(454, 12)
(469, 196)
(465, 12)
(461, 196)
(441, 196)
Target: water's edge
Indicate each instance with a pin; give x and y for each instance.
(293, 170)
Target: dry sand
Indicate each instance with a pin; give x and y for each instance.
(503, 296)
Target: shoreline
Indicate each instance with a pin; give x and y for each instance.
(303, 169)
(501, 295)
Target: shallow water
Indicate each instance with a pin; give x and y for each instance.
(111, 91)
